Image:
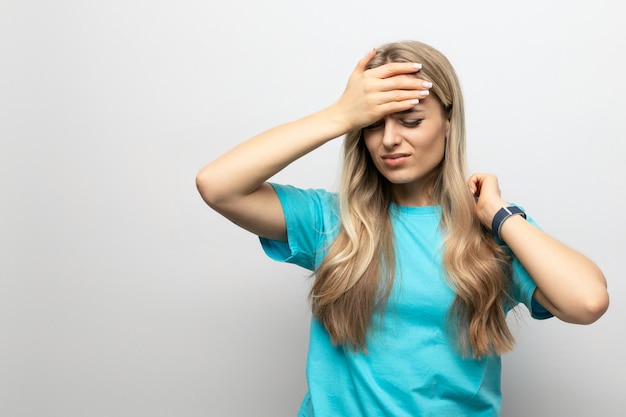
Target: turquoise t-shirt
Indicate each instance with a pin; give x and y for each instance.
(412, 367)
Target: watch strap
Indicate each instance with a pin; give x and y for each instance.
(501, 216)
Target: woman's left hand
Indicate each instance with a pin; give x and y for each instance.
(569, 284)
(486, 192)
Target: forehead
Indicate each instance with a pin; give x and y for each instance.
(430, 104)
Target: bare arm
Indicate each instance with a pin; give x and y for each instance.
(569, 284)
(235, 183)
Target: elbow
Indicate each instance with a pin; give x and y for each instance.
(598, 301)
(594, 299)
(591, 305)
(208, 188)
(587, 306)
(594, 307)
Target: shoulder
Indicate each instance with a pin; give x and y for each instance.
(311, 219)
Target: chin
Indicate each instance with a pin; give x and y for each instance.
(403, 180)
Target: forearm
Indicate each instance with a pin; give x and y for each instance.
(569, 284)
(246, 167)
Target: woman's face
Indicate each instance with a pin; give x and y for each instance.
(407, 146)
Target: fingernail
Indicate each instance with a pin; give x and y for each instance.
(424, 92)
(427, 84)
(414, 101)
(417, 66)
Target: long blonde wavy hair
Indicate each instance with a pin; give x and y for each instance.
(354, 280)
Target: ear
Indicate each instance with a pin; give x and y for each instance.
(448, 128)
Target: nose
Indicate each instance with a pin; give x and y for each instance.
(391, 133)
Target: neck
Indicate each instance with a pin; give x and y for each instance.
(412, 195)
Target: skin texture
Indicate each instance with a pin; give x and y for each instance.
(569, 284)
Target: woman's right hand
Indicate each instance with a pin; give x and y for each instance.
(374, 93)
(234, 183)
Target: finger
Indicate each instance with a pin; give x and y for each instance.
(390, 107)
(472, 187)
(477, 177)
(400, 96)
(361, 66)
(475, 183)
(404, 82)
(396, 68)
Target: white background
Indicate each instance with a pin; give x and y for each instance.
(122, 294)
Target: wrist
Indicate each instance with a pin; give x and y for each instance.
(339, 117)
(488, 210)
(501, 216)
(325, 124)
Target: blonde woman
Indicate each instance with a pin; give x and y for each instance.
(415, 265)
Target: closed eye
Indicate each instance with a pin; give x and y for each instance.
(412, 122)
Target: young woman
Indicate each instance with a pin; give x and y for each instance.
(415, 265)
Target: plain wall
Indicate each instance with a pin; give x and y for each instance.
(122, 294)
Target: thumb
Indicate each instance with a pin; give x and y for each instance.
(361, 66)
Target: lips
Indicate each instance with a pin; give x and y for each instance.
(395, 159)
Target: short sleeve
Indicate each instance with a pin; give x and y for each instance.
(524, 287)
(309, 217)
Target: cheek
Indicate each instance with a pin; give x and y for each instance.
(441, 145)
(434, 140)
(433, 148)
